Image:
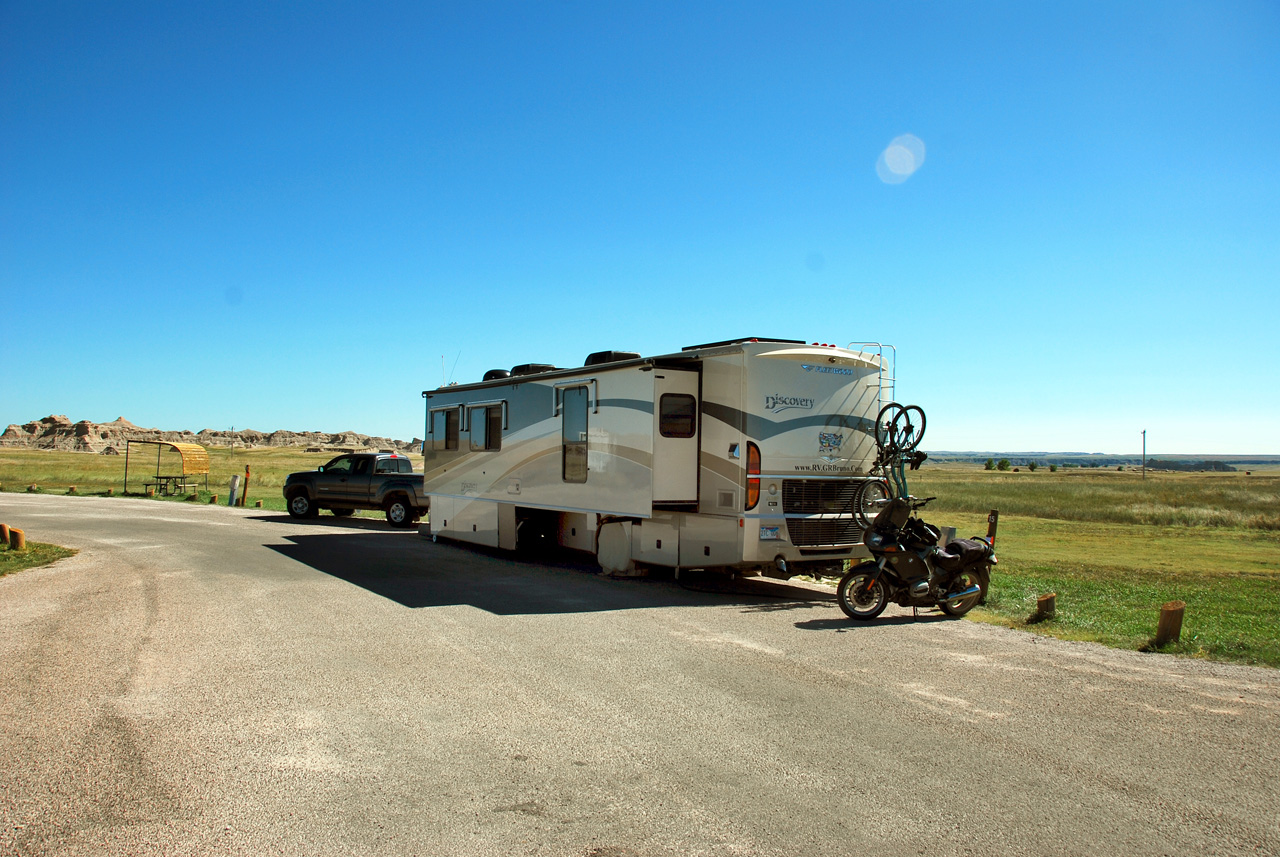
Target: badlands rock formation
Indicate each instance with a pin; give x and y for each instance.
(58, 432)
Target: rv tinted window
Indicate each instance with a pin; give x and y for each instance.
(677, 415)
(573, 428)
(486, 427)
(451, 429)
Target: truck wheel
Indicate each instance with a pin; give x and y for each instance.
(300, 506)
(399, 514)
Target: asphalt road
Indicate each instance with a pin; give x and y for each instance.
(202, 680)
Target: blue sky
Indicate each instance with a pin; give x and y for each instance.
(301, 215)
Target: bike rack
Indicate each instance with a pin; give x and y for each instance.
(896, 442)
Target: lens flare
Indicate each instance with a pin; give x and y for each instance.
(900, 159)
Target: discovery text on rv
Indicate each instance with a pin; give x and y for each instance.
(774, 404)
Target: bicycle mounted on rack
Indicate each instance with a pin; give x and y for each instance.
(908, 566)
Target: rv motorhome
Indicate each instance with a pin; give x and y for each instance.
(748, 455)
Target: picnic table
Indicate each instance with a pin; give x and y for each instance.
(171, 485)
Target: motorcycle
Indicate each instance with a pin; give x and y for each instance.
(909, 568)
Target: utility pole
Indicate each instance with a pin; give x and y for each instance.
(1144, 454)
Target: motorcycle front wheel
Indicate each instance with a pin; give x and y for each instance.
(857, 599)
(962, 581)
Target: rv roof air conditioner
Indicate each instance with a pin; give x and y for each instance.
(496, 374)
(531, 368)
(610, 357)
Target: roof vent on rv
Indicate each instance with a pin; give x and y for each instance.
(610, 357)
(496, 374)
(531, 368)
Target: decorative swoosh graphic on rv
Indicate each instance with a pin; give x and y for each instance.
(757, 426)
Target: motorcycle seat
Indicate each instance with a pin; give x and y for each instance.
(960, 553)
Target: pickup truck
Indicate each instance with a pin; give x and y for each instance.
(381, 480)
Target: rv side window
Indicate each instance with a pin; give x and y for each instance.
(444, 430)
(486, 428)
(573, 425)
(677, 415)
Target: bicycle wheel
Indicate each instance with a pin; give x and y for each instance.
(907, 428)
(884, 426)
(867, 503)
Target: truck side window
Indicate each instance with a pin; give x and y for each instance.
(677, 415)
(573, 427)
(338, 465)
(406, 466)
(386, 465)
(360, 467)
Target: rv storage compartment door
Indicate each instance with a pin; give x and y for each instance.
(675, 436)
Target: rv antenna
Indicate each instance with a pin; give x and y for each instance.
(455, 363)
(443, 380)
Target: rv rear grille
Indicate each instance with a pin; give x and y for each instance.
(823, 532)
(818, 496)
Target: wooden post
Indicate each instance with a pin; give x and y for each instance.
(111, 492)
(257, 504)
(17, 539)
(1046, 606)
(71, 490)
(245, 496)
(1169, 628)
(4, 533)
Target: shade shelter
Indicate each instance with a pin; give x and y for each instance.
(193, 461)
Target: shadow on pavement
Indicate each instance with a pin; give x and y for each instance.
(416, 572)
(840, 622)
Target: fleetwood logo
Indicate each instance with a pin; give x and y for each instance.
(776, 404)
(827, 370)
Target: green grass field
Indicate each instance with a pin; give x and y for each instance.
(1112, 545)
(1115, 547)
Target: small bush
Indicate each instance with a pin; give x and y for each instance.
(1003, 465)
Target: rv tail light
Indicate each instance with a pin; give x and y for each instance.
(753, 475)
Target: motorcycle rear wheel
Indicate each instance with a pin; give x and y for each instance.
(961, 582)
(856, 599)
